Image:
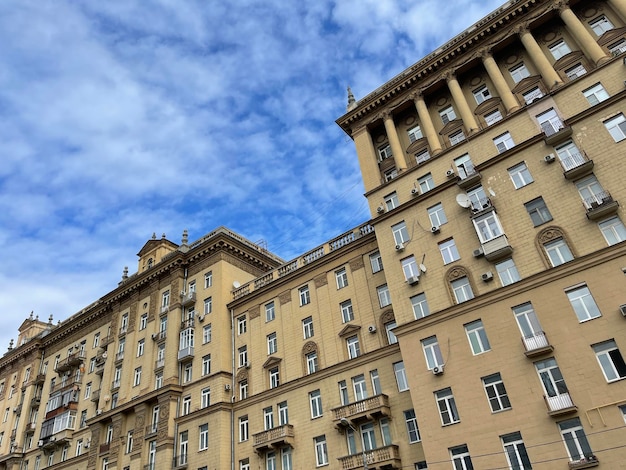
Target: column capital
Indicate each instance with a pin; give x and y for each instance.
(485, 53)
(560, 5)
(449, 75)
(385, 114)
(417, 95)
(522, 29)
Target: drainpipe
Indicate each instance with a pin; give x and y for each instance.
(232, 390)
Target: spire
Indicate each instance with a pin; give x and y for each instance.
(351, 101)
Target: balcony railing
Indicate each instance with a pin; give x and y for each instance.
(159, 363)
(585, 462)
(185, 354)
(165, 309)
(536, 344)
(377, 405)
(188, 323)
(123, 329)
(275, 437)
(73, 360)
(497, 248)
(575, 164)
(560, 404)
(151, 430)
(95, 396)
(188, 299)
(383, 457)
(116, 383)
(119, 356)
(555, 131)
(468, 175)
(600, 205)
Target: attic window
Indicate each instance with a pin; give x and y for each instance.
(150, 263)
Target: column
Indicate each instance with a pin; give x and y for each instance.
(507, 96)
(368, 160)
(461, 103)
(426, 124)
(550, 77)
(584, 37)
(394, 141)
(619, 6)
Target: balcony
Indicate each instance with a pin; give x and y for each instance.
(497, 248)
(35, 402)
(536, 344)
(585, 462)
(555, 131)
(119, 356)
(575, 165)
(99, 369)
(185, 354)
(116, 384)
(104, 448)
(95, 396)
(164, 309)
(151, 430)
(275, 437)
(106, 341)
(468, 175)
(369, 408)
(73, 360)
(383, 457)
(600, 205)
(123, 330)
(39, 379)
(159, 363)
(560, 404)
(188, 323)
(188, 299)
(30, 427)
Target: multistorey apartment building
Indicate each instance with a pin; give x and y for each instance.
(476, 321)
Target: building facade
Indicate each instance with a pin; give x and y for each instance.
(478, 320)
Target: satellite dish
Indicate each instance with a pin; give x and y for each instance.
(236, 284)
(422, 267)
(463, 200)
(492, 192)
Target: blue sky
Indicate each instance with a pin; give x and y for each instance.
(125, 117)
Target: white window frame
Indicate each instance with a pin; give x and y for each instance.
(447, 114)
(446, 405)
(600, 25)
(359, 386)
(274, 377)
(203, 436)
(610, 360)
(559, 49)
(462, 289)
(311, 362)
(616, 126)
(457, 137)
(432, 352)
(272, 343)
(497, 395)
(519, 72)
(422, 156)
(503, 142)
(353, 346)
(449, 251)
(531, 95)
(243, 355)
(401, 379)
(205, 397)
(493, 117)
(384, 152)
(341, 277)
(242, 325)
(206, 333)
(347, 311)
(520, 175)
(558, 252)
(391, 202)
(488, 226)
(143, 321)
(384, 297)
(321, 451)
(583, 303)
(437, 215)
(477, 337)
(376, 262)
(574, 438)
(576, 71)
(538, 211)
(481, 94)
(206, 364)
(244, 433)
(304, 295)
(515, 451)
(507, 272)
(315, 402)
(208, 305)
(391, 337)
(208, 279)
(400, 233)
(613, 230)
(137, 377)
(308, 330)
(414, 133)
(420, 306)
(409, 267)
(426, 183)
(412, 428)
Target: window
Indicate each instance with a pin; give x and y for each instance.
(307, 327)
(583, 303)
(375, 382)
(520, 175)
(591, 192)
(208, 305)
(87, 390)
(504, 142)
(158, 380)
(243, 356)
(425, 183)
(140, 347)
(311, 362)
(137, 378)
(243, 389)
(283, 413)
(600, 25)
(618, 47)
(519, 72)
(165, 301)
(616, 127)
(595, 94)
(569, 155)
(532, 95)
(268, 418)
(558, 252)
(559, 49)
(242, 325)
(461, 459)
(493, 117)
(456, 137)
(515, 451)
(477, 337)
(341, 276)
(206, 364)
(432, 352)
(96, 340)
(270, 460)
(613, 230)
(449, 252)
(411, 426)
(390, 174)
(401, 381)
(285, 454)
(376, 262)
(447, 114)
(188, 373)
(205, 397)
(384, 152)
(551, 378)
(391, 202)
(462, 290)
(422, 156)
(244, 464)
(576, 71)
(305, 296)
(447, 407)
(622, 409)
(274, 377)
(321, 451)
(315, 399)
(343, 392)
(206, 333)
(359, 387)
(347, 313)
(436, 215)
(575, 439)
(610, 360)
(272, 346)
(415, 133)
(143, 321)
(538, 211)
(186, 405)
(203, 431)
(420, 306)
(353, 347)
(409, 267)
(507, 272)
(391, 337)
(400, 233)
(481, 94)
(384, 298)
(192, 286)
(270, 312)
(496, 393)
(487, 226)
(243, 428)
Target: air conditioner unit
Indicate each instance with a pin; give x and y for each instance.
(478, 252)
(247, 365)
(380, 209)
(400, 247)
(488, 276)
(155, 336)
(549, 158)
(98, 412)
(450, 173)
(201, 318)
(415, 191)
(371, 329)
(438, 370)
(622, 308)
(413, 280)
(15, 410)
(227, 387)
(435, 229)
(40, 443)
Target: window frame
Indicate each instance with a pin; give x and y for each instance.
(347, 311)
(315, 404)
(520, 175)
(432, 352)
(538, 211)
(304, 295)
(616, 127)
(448, 412)
(384, 297)
(503, 142)
(496, 393)
(341, 277)
(449, 251)
(595, 94)
(376, 262)
(353, 347)
(426, 183)
(308, 329)
(612, 365)
(477, 337)
(437, 215)
(613, 230)
(589, 309)
(401, 377)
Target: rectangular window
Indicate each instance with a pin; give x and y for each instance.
(618, 47)
(422, 156)
(462, 290)
(447, 407)
(461, 459)
(600, 25)
(532, 95)
(552, 380)
(538, 211)
(243, 389)
(496, 393)
(400, 233)
(283, 413)
(315, 399)
(270, 312)
(504, 142)
(610, 360)
(384, 298)
(575, 439)
(96, 340)
(341, 276)
(432, 352)
(583, 303)
(272, 346)
(464, 166)
(616, 127)
(613, 230)
(343, 392)
(242, 325)
(390, 174)
(559, 49)
(520, 175)
(205, 397)
(137, 378)
(401, 381)
(143, 321)
(208, 305)
(368, 438)
(515, 451)
(243, 356)
(206, 333)
(477, 337)
(347, 313)
(456, 137)
(420, 306)
(426, 183)
(415, 133)
(186, 405)
(375, 382)
(447, 114)
(243, 428)
(268, 418)
(595, 94)
(188, 373)
(487, 226)
(141, 347)
(203, 431)
(576, 71)
(384, 152)
(307, 328)
(391, 337)
(507, 272)
(354, 349)
(436, 215)
(409, 267)
(481, 94)
(391, 202)
(311, 362)
(360, 388)
(448, 251)
(208, 279)
(411, 426)
(376, 262)
(321, 451)
(305, 296)
(493, 117)
(519, 72)
(206, 364)
(274, 377)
